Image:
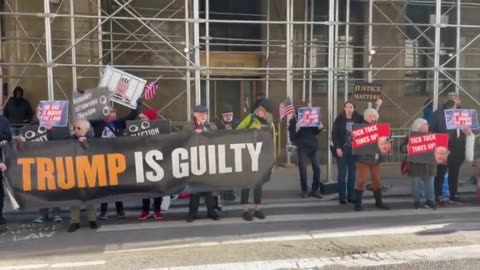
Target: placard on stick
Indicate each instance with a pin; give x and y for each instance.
(367, 91)
(309, 116)
(371, 139)
(461, 119)
(91, 104)
(54, 113)
(148, 128)
(125, 88)
(430, 148)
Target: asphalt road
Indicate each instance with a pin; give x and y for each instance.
(296, 231)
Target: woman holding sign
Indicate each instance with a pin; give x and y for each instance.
(342, 150)
(369, 163)
(421, 173)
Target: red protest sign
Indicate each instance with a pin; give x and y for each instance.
(371, 139)
(431, 148)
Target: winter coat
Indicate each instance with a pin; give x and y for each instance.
(339, 129)
(306, 137)
(418, 169)
(18, 111)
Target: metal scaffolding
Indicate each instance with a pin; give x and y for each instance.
(309, 54)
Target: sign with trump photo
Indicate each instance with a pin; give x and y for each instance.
(430, 148)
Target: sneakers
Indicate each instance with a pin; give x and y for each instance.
(158, 215)
(246, 216)
(305, 195)
(144, 215)
(457, 200)
(93, 225)
(259, 214)
(103, 216)
(73, 227)
(430, 205)
(57, 218)
(40, 219)
(316, 194)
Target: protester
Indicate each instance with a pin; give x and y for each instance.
(422, 174)
(456, 144)
(81, 128)
(261, 117)
(366, 163)
(52, 133)
(5, 136)
(305, 138)
(342, 150)
(18, 111)
(110, 127)
(227, 121)
(198, 125)
(150, 115)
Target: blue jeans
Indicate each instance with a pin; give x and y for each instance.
(347, 168)
(428, 188)
(302, 168)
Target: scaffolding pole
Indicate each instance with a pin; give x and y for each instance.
(436, 64)
(289, 33)
(196, 44)
(335, 61)
(458, 45)
(370, 43)
(304, 74)
(331, 36)
(48, 49)
(187, 57)
(74, 51)
(267, 83)
(347, 47)
(207, 55)
(310, 79)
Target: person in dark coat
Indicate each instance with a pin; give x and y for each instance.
(18, 110)
(5, 136)
(198, 125)
(342, 150)
(110, 127)
(305, 138)
(456, 145)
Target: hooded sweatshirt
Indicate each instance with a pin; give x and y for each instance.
(18, 110)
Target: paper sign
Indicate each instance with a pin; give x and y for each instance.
(461, 119)
(430, 148)
(92, 104)
(148, 128)
(53, 113)
(125, 88)
(371, 139)
(367, 91)
(309, 116)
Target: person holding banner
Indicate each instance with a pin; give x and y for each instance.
(81, 128)
(305, 138)
(150, 115)
(342, 150)
(5, 136)
(260, 118)
(457, 146)
(369, 163)
(110, 127)
(421, 174)
(198, 125)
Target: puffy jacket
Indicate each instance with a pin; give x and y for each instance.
(306, 138)
(18, 110)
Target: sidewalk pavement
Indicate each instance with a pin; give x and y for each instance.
(285, 185)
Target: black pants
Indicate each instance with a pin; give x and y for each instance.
(257, 195)
(157, 203)
(453, 167)
(118, 205)
(210, 202)
(2, 195)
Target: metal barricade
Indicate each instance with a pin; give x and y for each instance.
(398, 137)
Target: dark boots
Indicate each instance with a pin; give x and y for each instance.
(378, 200)
(358, 200)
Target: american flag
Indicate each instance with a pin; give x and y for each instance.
(150, 90)
(286, 108)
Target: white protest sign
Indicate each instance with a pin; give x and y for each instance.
(125, 89)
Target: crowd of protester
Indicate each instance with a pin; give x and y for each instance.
(353, 170)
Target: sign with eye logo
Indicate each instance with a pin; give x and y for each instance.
(148, 128)
(91, 104)
(35, 133)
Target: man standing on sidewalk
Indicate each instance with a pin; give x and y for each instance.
(305, 138)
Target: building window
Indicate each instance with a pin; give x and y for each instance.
(411, 54)
(345, 54)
